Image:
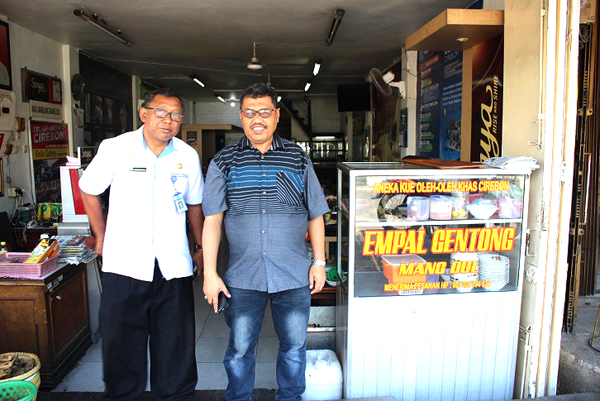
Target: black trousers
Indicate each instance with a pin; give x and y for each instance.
(133, 311)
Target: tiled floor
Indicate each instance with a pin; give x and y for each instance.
(211, 341)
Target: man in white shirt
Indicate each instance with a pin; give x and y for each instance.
(155, 183)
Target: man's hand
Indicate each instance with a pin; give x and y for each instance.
(213, 284)
(198, 261)
(316, 278)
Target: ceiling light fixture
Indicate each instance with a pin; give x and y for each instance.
(221, 99)
(196, 80)
(337, 20)
(101, 24)
(254, 64)
(462, 39)
(317, 67)
(278, 99)
(307, 86)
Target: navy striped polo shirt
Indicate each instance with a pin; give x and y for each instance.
(268, 200)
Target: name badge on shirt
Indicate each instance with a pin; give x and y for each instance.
(180, 205)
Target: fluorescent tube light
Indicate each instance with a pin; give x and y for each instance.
(101, 24)
(337, 20)
(221, 99)
(317, 67)
(196, 80)
(307, 86)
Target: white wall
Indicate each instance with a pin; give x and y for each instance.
(44, 56)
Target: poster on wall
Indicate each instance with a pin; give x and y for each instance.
(40, 87)
(486, 123)
(440, 96)
(46, 176)
(49, 148)
(5, 66)
(105, 117)
(49, 140)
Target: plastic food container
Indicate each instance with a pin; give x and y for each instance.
(509, 208)
(417, 208)
(440, 207)
(391, 267)
(460, 201)
(482, 208)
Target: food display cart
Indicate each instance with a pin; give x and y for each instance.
(433, 264)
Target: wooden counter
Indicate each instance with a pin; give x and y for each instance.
(48, 317)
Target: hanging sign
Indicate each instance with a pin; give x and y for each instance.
(49, 140)
(41, 87)
(45, 110)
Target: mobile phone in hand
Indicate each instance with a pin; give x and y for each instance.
(223, 303)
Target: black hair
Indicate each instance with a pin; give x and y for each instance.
(259, 90)
(166, 92)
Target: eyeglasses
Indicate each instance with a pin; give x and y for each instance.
(160, 113)
(264, 113)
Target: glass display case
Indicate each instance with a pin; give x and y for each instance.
(426, 251)
(420, 232)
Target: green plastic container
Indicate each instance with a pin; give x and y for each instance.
(14, 390)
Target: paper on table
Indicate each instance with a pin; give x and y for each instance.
(513, 162)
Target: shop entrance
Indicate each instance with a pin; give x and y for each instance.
(585, 227)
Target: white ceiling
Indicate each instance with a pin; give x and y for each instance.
(212, 39)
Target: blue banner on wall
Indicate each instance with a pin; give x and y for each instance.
(440, 97)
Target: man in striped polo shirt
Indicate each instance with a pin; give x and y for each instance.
(266, 191)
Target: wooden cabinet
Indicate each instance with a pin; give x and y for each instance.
(48, 317)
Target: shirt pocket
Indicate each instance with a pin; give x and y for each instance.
(290, 187)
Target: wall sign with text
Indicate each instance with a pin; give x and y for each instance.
(49, 140)
(41, 87)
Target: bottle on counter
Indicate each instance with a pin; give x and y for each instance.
(3, 249)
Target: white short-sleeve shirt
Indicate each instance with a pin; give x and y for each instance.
(143, 223)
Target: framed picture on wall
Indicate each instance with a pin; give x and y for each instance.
(5, 70)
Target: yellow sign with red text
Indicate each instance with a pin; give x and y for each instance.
(411, 276)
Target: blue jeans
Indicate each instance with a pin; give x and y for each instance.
(290, 310)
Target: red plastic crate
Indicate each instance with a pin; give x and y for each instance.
(26, 270)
